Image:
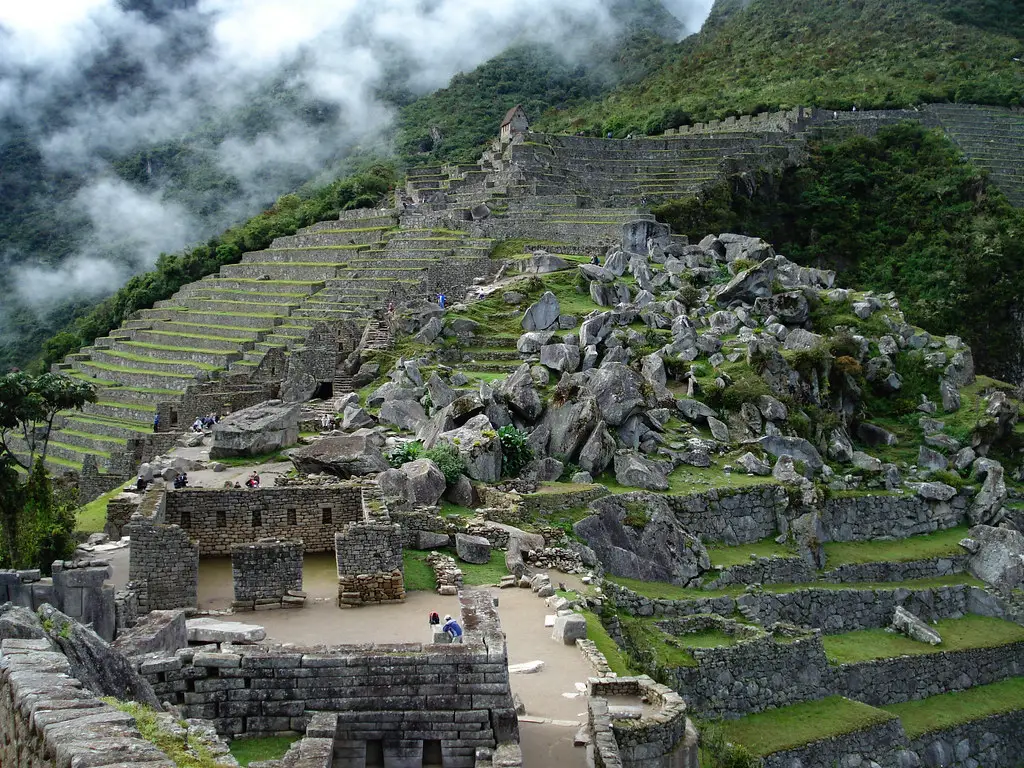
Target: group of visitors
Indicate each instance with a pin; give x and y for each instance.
(205, 422)
(450, 627)
(181, 480)
(253, 481)
(328, 422)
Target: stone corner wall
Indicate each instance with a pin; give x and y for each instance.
(50, 721)
(77, 588)
(265, 571)
(163, 564)
(369, 559)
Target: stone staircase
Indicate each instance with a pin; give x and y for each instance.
(992, 138)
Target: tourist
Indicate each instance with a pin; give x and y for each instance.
(452, 629)
(156, 423)
(325, 423)
(197, 425)
(253, 481)
(140, 484)
(433, 619)
(595, 260)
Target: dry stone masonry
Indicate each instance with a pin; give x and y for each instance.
(369, 558)
(267, 573)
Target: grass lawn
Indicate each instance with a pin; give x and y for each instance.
(689, 480)
(447, 508)
(599, 636)
(247, 751)
(799, 724)
(93, 516)
(726, 557)
(949, 709)
(420, 576)
(957, 635)
(938, 544)
(253, 461)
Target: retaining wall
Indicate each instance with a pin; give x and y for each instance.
(862, 518)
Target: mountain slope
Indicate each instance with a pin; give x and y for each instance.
(829, 53)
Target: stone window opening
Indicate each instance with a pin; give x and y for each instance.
(292, 516)
(325, 516)
(222, 518)
(257, 519)
(186, 518)
(432, 755)
(375, 754)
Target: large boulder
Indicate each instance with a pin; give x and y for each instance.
(564, 358)
(637, 536)
(618, 391)
(910, 625)
(749, 285)
(417, 483)
(18, 623)
(344, 456)
(987, 505)
(520, 394)
(102, 669)
(797, 447)
(404, 414)
(256, 430)
(997, 556)
(542, 263)
(571, 423)
(473, 549)
(634, 471)
(479, 447)
(440, 393)
(542, 315)
(599, 450)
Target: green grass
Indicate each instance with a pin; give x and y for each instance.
(727, 557)
(91, 517)
(938, 544)
(949, 709)
(183, 752)
(957, 635)
(596, 633)
(788, 727)
(121, 369)
(447, 508)
(168, 348)
(247, 461)
(247, 751)
(689, 480)
(419, 575)
(117, 441)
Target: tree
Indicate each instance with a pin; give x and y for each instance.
(28, 406)
(34, 524)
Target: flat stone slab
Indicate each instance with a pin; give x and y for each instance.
(207, 630)
(526, 668)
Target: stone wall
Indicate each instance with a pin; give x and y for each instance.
(92, 483)
(733, 517)
(221, 519)
(665, 739)
(369, 558)
(904, 678)
(758, 673)
(383, 696)
(890, 571)
(846, 610)
(862, 518)
(76, 588)
(50, 721)
(762, 570)
(119, 513)
(546, 504)
(882, 743)
(163, 564)
(266, 571)
(992, 742)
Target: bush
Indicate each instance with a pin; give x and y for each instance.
(404, 453)
(447, 458)
(516, 453)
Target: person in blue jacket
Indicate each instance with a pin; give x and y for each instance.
(451, 626)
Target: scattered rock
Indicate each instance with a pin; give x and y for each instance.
(911, 626)
(473, 549)
(542, 315)
(208, 630)
(637, 472)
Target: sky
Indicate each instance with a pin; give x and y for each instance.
(197, 58)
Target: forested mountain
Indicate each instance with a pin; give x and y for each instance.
(134, 198)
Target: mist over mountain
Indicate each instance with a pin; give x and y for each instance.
(137, 127)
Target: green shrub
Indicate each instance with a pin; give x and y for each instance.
(636, 515)
(404, 453)
(949, 478)
(447, 458)
(516, 452)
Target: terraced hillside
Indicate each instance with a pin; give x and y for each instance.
(993, 138)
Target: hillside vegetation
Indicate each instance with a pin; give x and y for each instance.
(900, 212)
(829, 53)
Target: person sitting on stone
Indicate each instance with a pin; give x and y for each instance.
(197, 425)
(140, 484)
(595, 260)
(452, 628)
(325, 423)
(253, 481)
